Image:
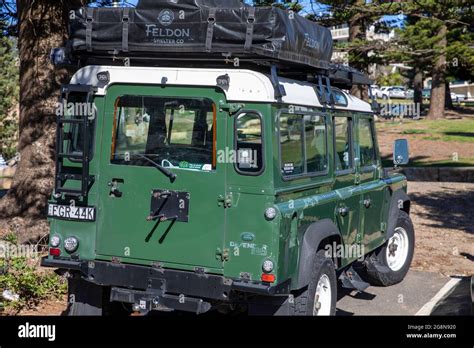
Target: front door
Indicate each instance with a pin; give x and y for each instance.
(372, 188)
(346, 184)
(144, 214)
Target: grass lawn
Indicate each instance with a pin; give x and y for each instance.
(461, 130)
(433, 143)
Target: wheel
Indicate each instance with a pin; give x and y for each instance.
(385, 97)
(390, 264)
(88, 299)
(319, 298)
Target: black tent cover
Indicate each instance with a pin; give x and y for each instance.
(201, 29)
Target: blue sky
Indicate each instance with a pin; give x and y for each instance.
(315, 7)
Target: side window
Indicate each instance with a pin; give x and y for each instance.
(303, 143)
(315, 143)
(249, 143)
(291, 144)
(366, 143)
(342, 142)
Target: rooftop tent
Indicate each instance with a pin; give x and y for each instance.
(147, 4)
(203, 30)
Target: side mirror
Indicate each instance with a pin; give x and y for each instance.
(400, 152)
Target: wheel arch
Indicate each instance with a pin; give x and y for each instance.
(399, 201)
(316, 236)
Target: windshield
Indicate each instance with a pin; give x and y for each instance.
(173, 132)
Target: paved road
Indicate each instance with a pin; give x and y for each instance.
(406, 298)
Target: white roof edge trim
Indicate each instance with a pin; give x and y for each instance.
(245, 85)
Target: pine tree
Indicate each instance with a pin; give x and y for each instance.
(9, 88)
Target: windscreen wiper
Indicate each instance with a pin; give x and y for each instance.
(162, 169)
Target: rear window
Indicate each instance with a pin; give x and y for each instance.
(175, 132)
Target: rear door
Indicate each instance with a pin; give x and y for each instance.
(143, 214)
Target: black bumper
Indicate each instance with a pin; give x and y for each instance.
(166, 281)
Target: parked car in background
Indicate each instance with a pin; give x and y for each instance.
(383, 93)
(375, 90)
(396, 92)
(456, 97)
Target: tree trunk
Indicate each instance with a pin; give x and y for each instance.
(42, 26)
(449, 101)
(438, 84)
(357, 31)
(418, 88)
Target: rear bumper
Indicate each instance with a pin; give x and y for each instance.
(165, 281)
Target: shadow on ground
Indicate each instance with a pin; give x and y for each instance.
(448, 208)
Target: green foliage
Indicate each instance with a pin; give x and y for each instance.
(394, 79)
(23, 277)
(418, 43)
(9, 90)
(287, 5)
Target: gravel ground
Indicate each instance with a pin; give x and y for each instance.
(443, 215)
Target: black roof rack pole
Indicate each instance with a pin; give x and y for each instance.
(329, 91)
(279, 89)
(322, 94)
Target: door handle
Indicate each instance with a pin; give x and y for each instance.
(343, 211)
(114, 188)
(367, 203)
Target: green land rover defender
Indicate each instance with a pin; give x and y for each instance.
(195, 187)
(199, 197)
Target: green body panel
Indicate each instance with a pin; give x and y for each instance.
(235, 238)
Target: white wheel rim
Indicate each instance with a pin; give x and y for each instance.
(397, 249)
(323, 297)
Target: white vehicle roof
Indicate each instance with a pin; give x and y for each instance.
(245, 85)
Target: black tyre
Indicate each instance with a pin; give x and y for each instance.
(88, 299)
(319, 298)
(390, 264)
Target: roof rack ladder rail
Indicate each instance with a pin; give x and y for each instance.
(85, 150)
(84, 178)
(58, 182)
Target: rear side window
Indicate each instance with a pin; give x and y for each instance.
(249, 143)
(303, 144)
(366, 143)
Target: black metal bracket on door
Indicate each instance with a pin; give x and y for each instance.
(64, 172)
(169, 205)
